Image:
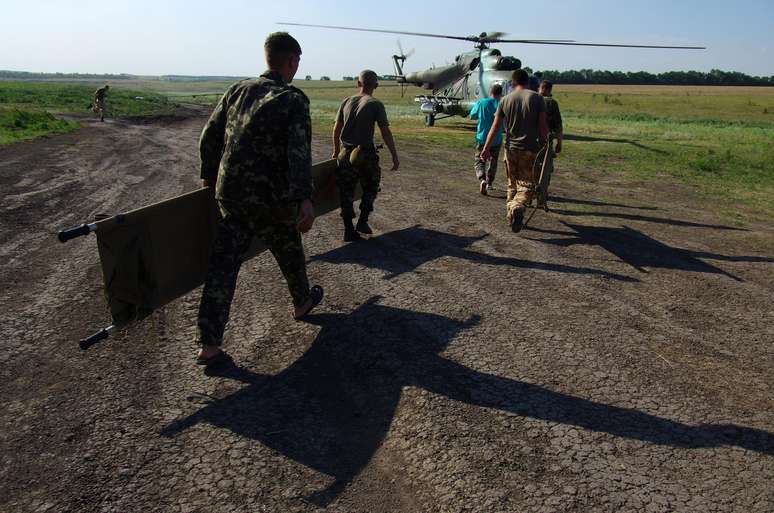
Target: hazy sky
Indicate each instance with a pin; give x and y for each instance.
(199, 37)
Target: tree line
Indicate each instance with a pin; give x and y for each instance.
(582, 76)
(698, 78)
(26, 75)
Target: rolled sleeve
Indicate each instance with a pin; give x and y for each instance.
(381, 116)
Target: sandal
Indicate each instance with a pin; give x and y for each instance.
(316, 295)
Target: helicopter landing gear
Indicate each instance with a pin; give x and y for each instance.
(429, 119)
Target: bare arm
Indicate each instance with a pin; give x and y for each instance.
(337, 138)
(542, 126)
(390, 142)
(498, 121)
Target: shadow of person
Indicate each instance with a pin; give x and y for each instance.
(588, 138)
(642, 251)
(332, 408)
(403, 251)
(645, 219)
(576, 201)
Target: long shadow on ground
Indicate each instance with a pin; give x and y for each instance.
(405, 250)
(646, 219)
(332, 408)
(587, 138)
(560, 199)
(641, 251)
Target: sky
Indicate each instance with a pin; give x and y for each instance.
(196, 37)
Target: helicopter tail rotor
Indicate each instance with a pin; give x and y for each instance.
(400, 59)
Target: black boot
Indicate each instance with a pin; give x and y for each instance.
(362, 224)
(350, 234)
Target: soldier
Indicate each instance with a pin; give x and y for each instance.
(100, 97)
(555, 128)
(256, 151)
(353, 147)
(524, 113)
(535, 80)
(484, 111)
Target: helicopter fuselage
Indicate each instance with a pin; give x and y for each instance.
(456, 87)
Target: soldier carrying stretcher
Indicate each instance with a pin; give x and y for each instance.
(353, 147)
(256, 152)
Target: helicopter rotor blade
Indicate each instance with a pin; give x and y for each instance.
(606, 45)
(459, 38)
(485, 38)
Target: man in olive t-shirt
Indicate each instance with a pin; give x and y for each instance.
(523, 112)
(353, 147)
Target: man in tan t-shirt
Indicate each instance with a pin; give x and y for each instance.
(526, 129)
(353, 147)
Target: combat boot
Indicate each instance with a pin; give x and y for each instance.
(362, 224)
(350, 234)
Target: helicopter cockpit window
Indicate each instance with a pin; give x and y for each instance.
(508, 64)
(474, 63)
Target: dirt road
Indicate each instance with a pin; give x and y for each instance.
(616, 357)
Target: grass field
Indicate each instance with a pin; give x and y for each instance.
(716, 139)
(27, 109)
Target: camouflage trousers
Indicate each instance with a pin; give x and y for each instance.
(99, 107)
(521, 180)
(486, 170)
(277, 228)
(367, 172)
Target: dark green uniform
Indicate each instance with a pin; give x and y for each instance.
(99, 105)
(258, 145)
(555, 129)
(357, 115)
(554, 116)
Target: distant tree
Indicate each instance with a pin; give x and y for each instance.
(714, 77)
(348, 79)
(325, 78)
(308, 77)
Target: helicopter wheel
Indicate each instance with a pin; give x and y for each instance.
(429, 119)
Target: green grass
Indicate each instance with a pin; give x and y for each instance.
(19, 125)
(28, 109)
(715, 139)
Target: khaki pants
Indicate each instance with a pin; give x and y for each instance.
(367, 172)
(521, 180)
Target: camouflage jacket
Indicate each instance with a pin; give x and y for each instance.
(554, 116)
(257, 143)
(100, 94)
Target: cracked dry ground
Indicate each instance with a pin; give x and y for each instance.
(616, 357)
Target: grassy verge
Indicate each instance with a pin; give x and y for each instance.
(29, 109)
(716, 140)
(19, 125)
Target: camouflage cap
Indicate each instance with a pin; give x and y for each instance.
(368, 77)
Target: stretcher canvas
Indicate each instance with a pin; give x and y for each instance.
(155, 254)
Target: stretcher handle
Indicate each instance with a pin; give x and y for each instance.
(78, 231)
(99, 336)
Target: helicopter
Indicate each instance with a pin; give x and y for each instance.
(456, 87)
